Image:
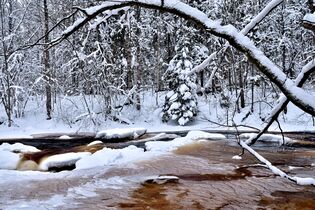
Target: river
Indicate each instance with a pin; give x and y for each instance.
(208, 179)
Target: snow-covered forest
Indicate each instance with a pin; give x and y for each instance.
(157, 104)
(128, 64)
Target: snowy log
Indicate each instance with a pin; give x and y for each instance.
(277, 171)
(121, 133)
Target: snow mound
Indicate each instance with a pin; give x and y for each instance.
(267, 138)
(62, 160)
(309, 17)
(112, 157)
(191, 137)
(94, 143)
(304, 181)
(195, 135)
(121, 133)
(64, 137)
(237, 157)
(18, 148)
(9, 160)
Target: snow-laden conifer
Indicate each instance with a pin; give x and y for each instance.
(181, 101)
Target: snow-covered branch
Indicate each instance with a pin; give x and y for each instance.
(252, 24)
(307, 70)
(277, 171)
(236, 39)
(309, 21)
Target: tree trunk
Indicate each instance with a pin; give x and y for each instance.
(46, 62)
(6, 84)
(137, 70)
(242, 95)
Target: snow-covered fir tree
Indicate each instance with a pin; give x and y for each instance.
(181, 101)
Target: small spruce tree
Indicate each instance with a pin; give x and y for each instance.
(181, 101)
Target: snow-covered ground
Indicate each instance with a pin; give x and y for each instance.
(69, 109)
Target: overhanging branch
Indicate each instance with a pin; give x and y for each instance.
(298, 96)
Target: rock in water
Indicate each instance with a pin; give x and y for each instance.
(121, 133)
(28, 165)
(162, 180)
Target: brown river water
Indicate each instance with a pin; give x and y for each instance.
(208, 179)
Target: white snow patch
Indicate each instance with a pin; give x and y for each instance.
(61, 160)
(304, 181)
(18, 148)
(183, 88)
(174, 105)
(291, 168)
(111, 157)
(174, 97)
(267, 138)
(237, 157)
(94, 143)
(64, 137)
(309, 18)
(9, 160)
(191, 137)
(16, 136)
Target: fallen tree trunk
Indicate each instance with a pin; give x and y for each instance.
(275, 170)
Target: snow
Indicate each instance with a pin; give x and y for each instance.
(183, 120)
(174, 97)
(9, 160)
(237, 157)
(15, 136)
(107, 156)
(121, 133)
(170, 94)
(262, 14)
(191, 137)
(183, 88)
(62, 160)
(213, 26)
(17, 148)
(64, 137)
(110, 157)
(94, 143)
(174, 105)
(309, 18)
(243, 42)
(74, 25)
(304, 181)
(187, 95)
(267, 138)
(277, 171)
